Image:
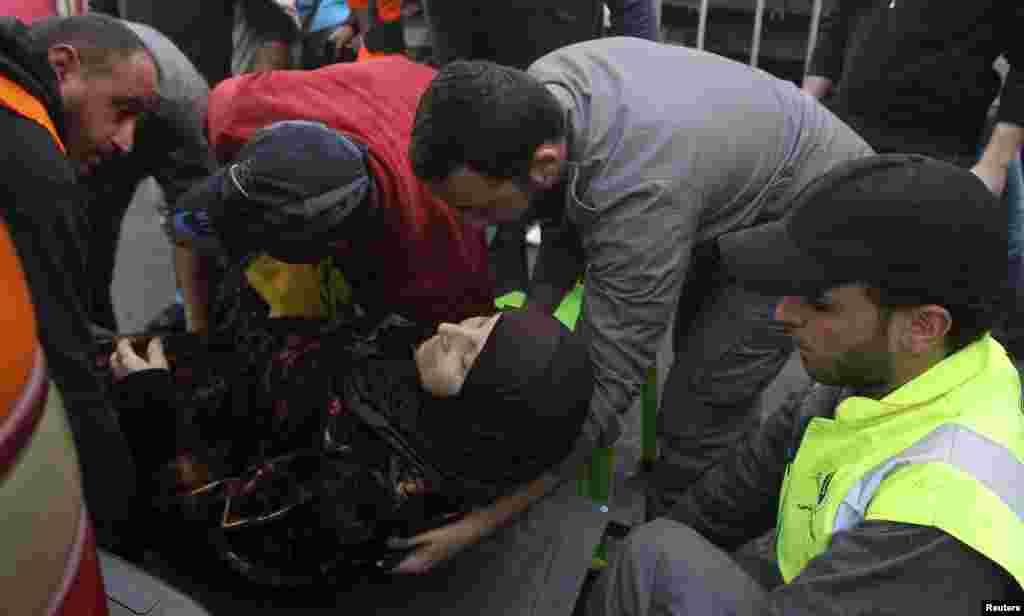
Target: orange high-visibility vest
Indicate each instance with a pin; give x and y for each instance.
(365, 54)
(387, 10)
(18, 100)
(17, 354)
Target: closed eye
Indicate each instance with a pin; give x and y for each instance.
(819, 303)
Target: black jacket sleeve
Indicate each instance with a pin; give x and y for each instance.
(737, 500)
(148, 410)
(833, 35)
(889, 568)
(560, 263)
(42, 208)
(172, 147)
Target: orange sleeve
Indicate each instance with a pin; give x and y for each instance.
(365, 54)
(18, 353)
(387, 10)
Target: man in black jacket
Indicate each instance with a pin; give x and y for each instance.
(917, 76)
(83, 87)
(170, 146)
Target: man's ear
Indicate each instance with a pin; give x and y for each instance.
(926, 328)
(546, 164)
(65, 61)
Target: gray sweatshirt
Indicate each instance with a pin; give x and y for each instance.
(668, 147)
(173, 147)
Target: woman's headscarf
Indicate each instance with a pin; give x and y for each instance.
(520, 409)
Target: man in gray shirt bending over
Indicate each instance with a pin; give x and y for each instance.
(641, 154)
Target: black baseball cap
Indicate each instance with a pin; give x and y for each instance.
(910, 224)
(287, 194)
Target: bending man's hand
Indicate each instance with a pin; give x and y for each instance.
(440, 545)
(437, 546)
(125, 360)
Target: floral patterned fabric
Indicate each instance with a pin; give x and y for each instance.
(294, 486)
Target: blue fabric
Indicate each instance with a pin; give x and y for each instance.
(634, 18)
(331, 14)
(194, 227)
(1013, 200)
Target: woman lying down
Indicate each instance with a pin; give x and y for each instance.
(361, 451)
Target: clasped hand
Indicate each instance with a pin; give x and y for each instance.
(125, 360)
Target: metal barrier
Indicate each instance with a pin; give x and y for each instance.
(755, 40)
(812, 35)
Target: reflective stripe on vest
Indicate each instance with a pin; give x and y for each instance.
(926, 483)
(988, 462)
(18, 100)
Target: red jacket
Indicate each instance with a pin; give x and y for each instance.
(425, 264)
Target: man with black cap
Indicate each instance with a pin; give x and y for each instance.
(305, 195)
(895, 483)
(337, 185)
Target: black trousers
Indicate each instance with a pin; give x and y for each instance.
(107, 201)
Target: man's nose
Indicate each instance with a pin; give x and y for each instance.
(124, 138)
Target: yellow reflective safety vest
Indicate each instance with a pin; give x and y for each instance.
(945, 450)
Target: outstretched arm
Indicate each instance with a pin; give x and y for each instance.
(1008, 135)
(440, 545)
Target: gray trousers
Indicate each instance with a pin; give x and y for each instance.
(665, 568)
(727, 350)
(728, 347)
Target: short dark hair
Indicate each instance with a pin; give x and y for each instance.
(100, 40)
(971, 320)
(488, 117)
